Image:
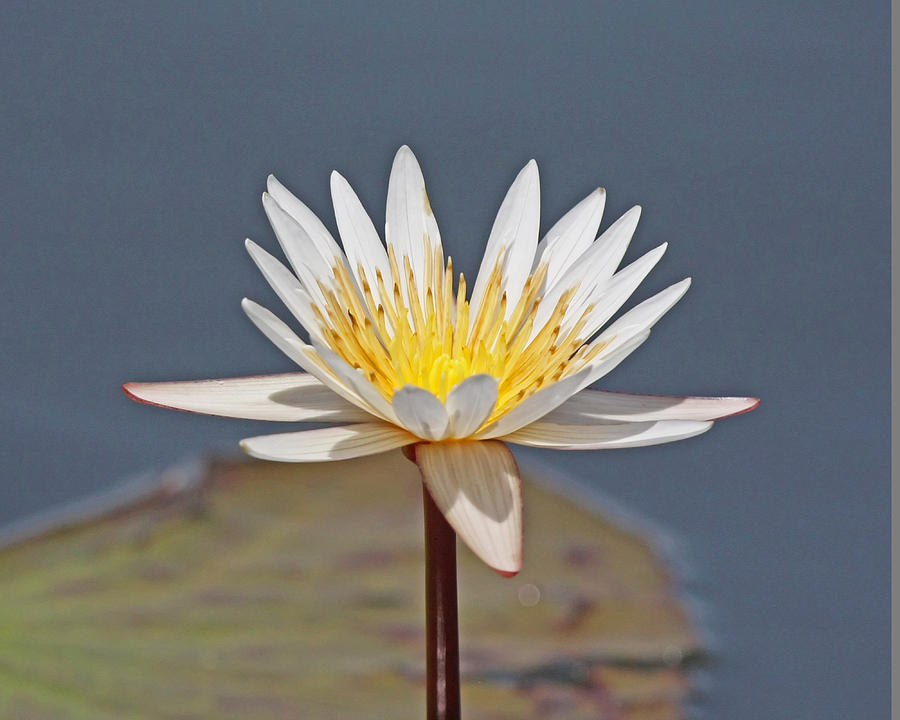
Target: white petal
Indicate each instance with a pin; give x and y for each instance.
(311, 267)
(314, 229)
(471, 403)
(356, 381)
(409, 217)
(334, 443)
(534, 407)
(620, 347)
(549, 398)
(420, 412)
(286, 286)
(277, 331)
(361, 242)
(571, 236)
(289, 397)
(477, 487)
(608, 250)
(599, 406)
(515, 235)
(287, 341)
(645, 315)
(591, 272)
(619, 288)
(606, 437)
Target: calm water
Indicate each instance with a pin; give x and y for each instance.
(136, 144)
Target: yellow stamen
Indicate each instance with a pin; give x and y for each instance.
(398, 337)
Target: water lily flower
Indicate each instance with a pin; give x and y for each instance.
(400, 355)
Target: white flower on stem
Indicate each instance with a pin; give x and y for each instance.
(400, 355)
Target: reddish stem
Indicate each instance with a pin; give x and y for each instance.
(441, 622)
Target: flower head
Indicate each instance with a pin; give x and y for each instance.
(401, 354)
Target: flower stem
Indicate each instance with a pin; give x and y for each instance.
(441, 621)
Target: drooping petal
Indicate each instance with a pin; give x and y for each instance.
(289, 397)
(287, 287)
(477, 487)
(471, 403)
(360, 238)
(334, 443)
(420, 412)
(603, 407)
(287, 341)
(513, 239)
(543, 401)
(409, 218)
(599, 437)
(571, 236)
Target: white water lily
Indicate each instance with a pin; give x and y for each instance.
(398, 356)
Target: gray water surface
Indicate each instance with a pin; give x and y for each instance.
(136, 141)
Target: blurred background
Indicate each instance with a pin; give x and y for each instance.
(136, 140)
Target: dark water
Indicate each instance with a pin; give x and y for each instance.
(136, 142)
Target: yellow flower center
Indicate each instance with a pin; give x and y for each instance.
(436, 344)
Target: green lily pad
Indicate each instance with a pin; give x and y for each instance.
(272, 591)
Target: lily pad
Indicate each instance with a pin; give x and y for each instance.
(269, 591)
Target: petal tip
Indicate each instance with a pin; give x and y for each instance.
(531, 169)
(681, 287)
(655, 255)
(752, 404)
(135, 391)
(271, 205)
(404, 152)
(507, 573)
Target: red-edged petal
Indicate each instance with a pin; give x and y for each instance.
(601, 406)
(289, 397)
